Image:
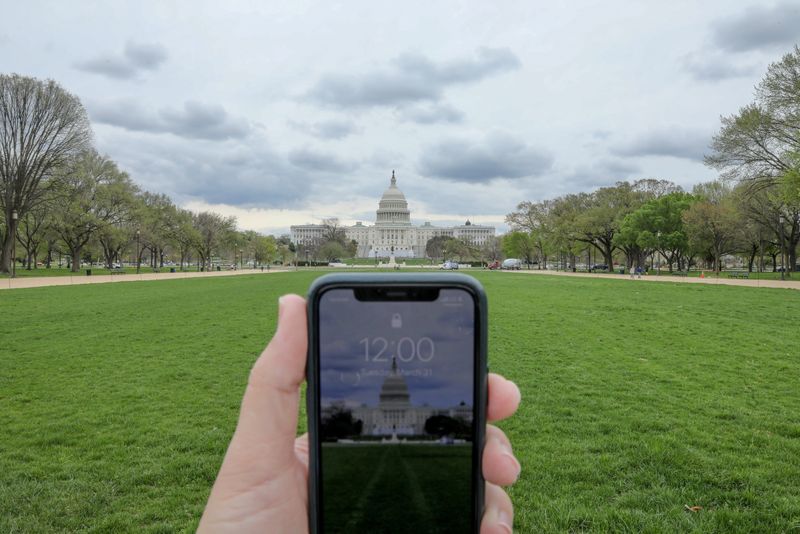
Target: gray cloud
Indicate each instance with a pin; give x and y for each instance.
(246, 173)
(135, 58)
(431, 114)
(759, 27)
(674, 142)
(601, 173)
(195, 120)
(328, 129)
(410, 78)
(316, 161)
(715, 67)
(497, 156)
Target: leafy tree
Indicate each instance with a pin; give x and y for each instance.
(92, 195)
(213, 230)
(713, 222)
(184, 235)
(32, 231)
(339, 423)
(332, 251)
(443, 425)
(41, 127)
(658, 225)
(264, 249)
(435, 247)
(536, 219)
(519, 245)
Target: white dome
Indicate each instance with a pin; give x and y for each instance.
(393, 207)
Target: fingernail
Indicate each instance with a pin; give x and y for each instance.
(513, 460)
(504, 521)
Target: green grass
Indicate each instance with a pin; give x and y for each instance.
(388, 481)
(117, 401)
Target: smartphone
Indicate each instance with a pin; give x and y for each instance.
(396, 397)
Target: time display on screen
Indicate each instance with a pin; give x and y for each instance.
(405, 349)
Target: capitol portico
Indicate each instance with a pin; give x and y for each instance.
(393, 231)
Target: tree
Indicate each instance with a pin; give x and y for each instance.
(492, 249)
(264, 249)
(536, 219)
(658, 225)
(444, 425)
(332, 251)
(183, 234)
(92, 195)
(32, 230)
(519, 245)
(41, 126)
(213, 230)
(339, 423)
(333, 231)
(435, 247)
(713, 222)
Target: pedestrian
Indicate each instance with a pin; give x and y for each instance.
(633, 272)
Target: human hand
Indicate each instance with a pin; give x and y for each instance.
(262, 485)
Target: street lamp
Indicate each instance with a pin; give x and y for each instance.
(14, 217)
(138, 253)
(307, 264)
(241, 259)
(781, 222)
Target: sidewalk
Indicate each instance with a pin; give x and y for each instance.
(785, 284)
(43, 281)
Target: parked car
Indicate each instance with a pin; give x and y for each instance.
(493, 265)
(512, 264)
(449, 266)
(599, 267)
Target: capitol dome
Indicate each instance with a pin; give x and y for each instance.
(393, 207)
(394, 392)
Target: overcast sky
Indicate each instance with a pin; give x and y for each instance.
(285, 113)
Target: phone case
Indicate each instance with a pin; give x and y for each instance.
(443, 280)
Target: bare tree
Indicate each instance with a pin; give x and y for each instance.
(41, 125)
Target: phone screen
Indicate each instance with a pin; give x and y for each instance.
(396, 404)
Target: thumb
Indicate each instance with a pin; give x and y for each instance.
(263, 444)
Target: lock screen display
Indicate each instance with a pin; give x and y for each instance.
(396, 386)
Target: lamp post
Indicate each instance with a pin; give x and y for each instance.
(307, 265)
(138, 253)
(14, 217)
(658, 243)
(781, 222)
(241, 259)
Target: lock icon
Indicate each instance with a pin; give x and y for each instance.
(397, 321)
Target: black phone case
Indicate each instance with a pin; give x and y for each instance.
(442, 280)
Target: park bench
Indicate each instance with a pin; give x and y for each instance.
(116, 271)
(739, 274)
(680, 273)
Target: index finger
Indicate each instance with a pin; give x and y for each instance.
(504, 397)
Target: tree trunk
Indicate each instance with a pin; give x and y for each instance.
(8, 245)
(76, 260)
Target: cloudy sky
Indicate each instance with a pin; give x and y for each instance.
(287, 112)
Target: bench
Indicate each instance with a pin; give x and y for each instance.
(739, 274)
(115, 271)
(680, 273)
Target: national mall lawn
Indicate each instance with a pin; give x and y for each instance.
(117, 401)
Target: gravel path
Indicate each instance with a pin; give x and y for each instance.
(43, 281)
(787, 284)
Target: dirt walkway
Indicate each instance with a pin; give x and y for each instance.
(787, 284)
(42, 281)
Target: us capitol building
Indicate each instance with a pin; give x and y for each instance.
(394, 414)
(392, 231)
